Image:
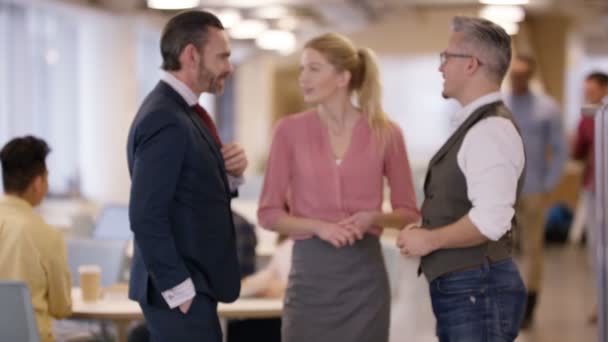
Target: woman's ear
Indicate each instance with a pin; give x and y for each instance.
(345, 77)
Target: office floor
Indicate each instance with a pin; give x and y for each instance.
(567, 299)
(564, 306)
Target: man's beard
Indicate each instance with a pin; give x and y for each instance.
(210, 81)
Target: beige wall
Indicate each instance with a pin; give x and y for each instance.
(546, 38)
(254, 85)
(410, 32)
(287, 97)
(108, 102)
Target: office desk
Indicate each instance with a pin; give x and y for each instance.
(117, 308)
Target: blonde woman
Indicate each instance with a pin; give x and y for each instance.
(331, 163)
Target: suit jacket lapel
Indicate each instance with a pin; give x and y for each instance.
(204, 131)
(206, 135)
(214, 148)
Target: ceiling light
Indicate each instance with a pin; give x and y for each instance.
(229, 17)
(173, 4)
(510, 27)
(248, 29)
(271, 12)
(503, 13)
(278, 40)
(504, 2)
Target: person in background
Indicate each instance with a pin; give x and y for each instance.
(246, 242)
(596, 91)
(539, 119)
(269, 282)
(472, 187)
(327, 166)
(183, 178)
(30, 250)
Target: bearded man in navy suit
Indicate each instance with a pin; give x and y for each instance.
(183, 179)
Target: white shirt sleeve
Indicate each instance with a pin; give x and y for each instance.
(491, 158)
(179, 294)
(235, 182)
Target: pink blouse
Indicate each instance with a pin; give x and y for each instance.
(301, 163)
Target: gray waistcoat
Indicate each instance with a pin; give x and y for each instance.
(446, 201)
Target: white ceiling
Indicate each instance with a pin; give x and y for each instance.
(591, 16)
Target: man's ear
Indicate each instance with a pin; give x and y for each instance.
(37, 184)
(472, 65)
(189, 57)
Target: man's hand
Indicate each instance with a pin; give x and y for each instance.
(416, 241)
(185, 307)
(234, 159)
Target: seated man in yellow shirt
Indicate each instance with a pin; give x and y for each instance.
(30, 250)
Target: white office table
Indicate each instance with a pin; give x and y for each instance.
(117, 308)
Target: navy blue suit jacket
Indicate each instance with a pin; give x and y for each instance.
(180, 204)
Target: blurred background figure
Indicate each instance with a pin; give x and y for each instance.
(268, 282)
(540, 122)
(271, 280)
(31, 250)
(583, 150)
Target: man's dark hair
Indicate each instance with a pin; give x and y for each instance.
(599, 77)
(23, 159)
(189, 27)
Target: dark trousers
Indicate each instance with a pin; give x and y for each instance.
(484, 304)
(266, 330)
(200, 324)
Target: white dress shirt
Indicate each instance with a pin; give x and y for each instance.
(185, 290)
(491, 158)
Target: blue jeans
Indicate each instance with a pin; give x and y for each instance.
(484, 304)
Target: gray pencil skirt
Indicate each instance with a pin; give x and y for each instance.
(337, 294)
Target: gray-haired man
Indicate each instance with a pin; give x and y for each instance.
(471, 188)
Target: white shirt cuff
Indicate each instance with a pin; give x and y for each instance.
(235, 182)
(179, 294)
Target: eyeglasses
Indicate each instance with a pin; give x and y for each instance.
(443, 57)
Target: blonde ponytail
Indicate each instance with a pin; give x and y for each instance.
(369, 94)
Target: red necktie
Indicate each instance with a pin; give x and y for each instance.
(202, 113)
